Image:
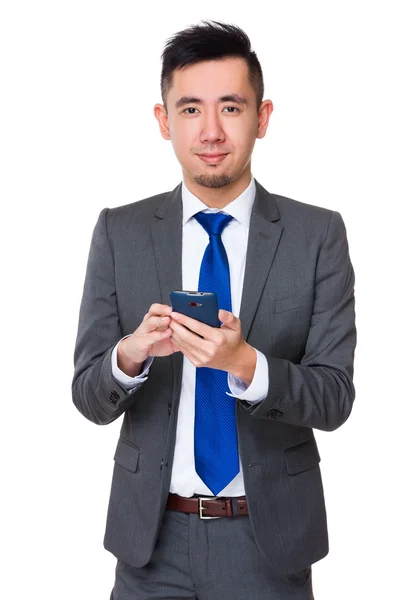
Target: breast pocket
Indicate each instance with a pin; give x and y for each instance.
(294, 301)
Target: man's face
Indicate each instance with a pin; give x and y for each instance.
(213, 121)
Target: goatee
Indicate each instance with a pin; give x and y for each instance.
(213, 181)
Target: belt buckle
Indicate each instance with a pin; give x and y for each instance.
(202, 508)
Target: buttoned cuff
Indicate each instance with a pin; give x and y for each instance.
(258, 389)
(129, 383)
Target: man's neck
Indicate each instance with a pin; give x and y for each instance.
(218, 197)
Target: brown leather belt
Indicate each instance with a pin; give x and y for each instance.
(212, 507)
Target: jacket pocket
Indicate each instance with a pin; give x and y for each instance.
(126, 456)
(294, 301)
(302, 457)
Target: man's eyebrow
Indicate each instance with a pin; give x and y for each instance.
(227, 98)
(234, 98)
(187, 100)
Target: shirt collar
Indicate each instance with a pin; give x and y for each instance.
(240, 208)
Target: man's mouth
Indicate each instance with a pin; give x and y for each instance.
(212, 159)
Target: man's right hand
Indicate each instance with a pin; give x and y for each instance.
(152, 338)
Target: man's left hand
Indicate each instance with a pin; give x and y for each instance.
(221, 348)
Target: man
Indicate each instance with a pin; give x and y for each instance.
(223, 413)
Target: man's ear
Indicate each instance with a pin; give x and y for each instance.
(264, 114)
(161, 115)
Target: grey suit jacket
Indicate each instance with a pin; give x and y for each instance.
(297, 308)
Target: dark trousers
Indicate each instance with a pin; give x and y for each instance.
(208, 560)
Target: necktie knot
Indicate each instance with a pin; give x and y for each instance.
(213, 223)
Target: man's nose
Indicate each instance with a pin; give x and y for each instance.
(212, 131)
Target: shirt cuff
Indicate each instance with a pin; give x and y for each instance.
(258, 389)
(129, 383)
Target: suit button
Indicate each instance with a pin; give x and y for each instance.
(273, 413)
(114, 396)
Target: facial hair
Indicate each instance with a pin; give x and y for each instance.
(213, 181)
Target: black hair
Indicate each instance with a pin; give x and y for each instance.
(211, 41)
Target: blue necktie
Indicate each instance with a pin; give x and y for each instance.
(215, 430)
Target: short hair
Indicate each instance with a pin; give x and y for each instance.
(211, 41)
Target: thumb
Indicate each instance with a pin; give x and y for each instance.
(227, 319)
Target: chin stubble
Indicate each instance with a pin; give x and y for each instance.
(213, 181)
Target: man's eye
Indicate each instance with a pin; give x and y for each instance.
(234, 108)
(190, 108)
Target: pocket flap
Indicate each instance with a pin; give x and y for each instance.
(292, 302)
(302, 457)
(126, 456)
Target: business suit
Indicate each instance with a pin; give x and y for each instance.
(297, 308)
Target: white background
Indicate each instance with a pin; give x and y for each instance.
(79, 81)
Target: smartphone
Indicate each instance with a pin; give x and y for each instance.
(202, 306)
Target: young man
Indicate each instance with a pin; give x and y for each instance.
(223, 413)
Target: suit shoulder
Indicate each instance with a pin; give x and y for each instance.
(307, 219)
(289, 206)
(125, 218)
(144, 207)
(305, 215)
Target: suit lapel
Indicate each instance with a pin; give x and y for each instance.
(166, 235)
(263, 240)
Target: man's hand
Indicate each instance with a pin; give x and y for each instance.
(151, 338)
(221, 348)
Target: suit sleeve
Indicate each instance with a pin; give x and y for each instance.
(319, 392)
(95, 392)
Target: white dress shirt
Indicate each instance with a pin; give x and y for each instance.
(184, 480)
